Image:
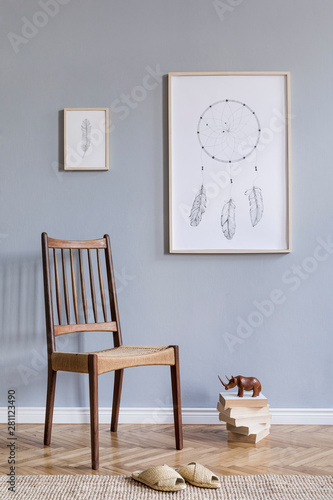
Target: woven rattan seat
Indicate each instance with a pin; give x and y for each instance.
(114, 359)
(132, 350)
(67, 299)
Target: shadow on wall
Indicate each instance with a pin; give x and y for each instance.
(23, 355)
(22, 320)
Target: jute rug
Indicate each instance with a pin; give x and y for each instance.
(265, 487)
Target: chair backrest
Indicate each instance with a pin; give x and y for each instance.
(77, 304)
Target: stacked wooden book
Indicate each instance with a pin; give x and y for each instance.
(247, 418)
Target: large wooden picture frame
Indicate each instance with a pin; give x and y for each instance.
(86, 139)
(229, 162)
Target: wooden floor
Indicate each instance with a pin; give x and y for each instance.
(288, 450)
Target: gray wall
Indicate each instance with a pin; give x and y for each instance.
(89, 54)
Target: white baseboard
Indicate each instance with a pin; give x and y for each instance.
(287, 416)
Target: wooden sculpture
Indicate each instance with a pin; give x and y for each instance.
(243, 384)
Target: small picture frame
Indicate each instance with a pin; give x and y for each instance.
(86, 139)
(229, 162)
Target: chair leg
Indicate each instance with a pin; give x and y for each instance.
(51, 385)
(118, 382)
(177, 406)
(93, 393)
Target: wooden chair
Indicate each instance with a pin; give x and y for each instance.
(78, 255)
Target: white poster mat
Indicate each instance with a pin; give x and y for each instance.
(215, 98)
(86, 139)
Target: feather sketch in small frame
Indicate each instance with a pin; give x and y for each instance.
(86, 135)
(228, 219)
(198, 207)
(256, 204)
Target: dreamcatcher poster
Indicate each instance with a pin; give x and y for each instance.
(229, 150)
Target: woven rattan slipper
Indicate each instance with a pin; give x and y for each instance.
(198, 475)
(161, 478)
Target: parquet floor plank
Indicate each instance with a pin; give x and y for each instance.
(289, 449)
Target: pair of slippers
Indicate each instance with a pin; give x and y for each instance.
(164, 478)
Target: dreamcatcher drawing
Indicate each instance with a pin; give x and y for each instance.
(228, 132)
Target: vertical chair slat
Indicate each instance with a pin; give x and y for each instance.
(101, 285)
(76, 308)
(57, 285)
(92, 287)
(83, 288)
(64, 274)
(118, 341)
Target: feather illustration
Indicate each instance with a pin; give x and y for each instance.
(228, 219)
(256, 204)
(86, 131)
(198, 207)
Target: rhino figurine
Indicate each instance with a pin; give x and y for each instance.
(243, 384)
